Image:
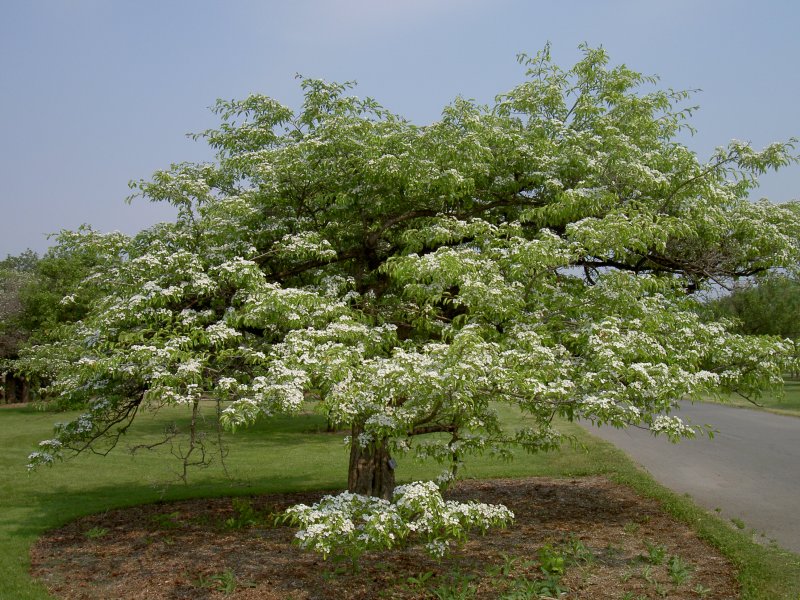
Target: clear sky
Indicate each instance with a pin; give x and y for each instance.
(94, 93)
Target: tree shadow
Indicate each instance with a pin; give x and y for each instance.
(62, 504)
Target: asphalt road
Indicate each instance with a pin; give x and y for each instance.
(750, 469)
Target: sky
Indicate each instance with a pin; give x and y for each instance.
(96, 93)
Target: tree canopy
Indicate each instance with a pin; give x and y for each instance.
(544, 252)
(767, 306)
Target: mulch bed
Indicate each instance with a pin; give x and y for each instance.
(200, 549)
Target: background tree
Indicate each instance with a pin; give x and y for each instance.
(766, 306)
(542, 252)
(59, 292)
(15, 273)
(42, 295)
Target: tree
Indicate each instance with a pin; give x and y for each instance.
(543, 252)
(769, 306)
(15, 273)
(41, 295)
(58, 293)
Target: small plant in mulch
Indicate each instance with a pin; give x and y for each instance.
(679, 570)
(701, 591)
(167, 520)
(418, 581)
(225, 582)
(459, 587)
(656, 553)
(95, 532)
(245, 515)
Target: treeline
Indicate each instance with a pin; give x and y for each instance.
(16, 275)
(40, 294)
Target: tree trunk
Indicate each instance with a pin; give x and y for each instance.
(16, 389)
(371, 468)
(10, 389)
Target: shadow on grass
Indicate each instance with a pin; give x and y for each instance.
(49, 509)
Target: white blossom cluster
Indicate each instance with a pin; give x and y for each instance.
(46, 455)
(673, 427)
(305, 245)
(279, 391)
(354, 524)
(461, 373)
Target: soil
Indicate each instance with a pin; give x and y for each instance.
(614, 545)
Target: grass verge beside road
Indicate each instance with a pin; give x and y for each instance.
(288, 454)
(787, 403)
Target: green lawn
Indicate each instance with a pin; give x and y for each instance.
(289, 454)
(787, 403)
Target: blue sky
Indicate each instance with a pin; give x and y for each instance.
(94, 93)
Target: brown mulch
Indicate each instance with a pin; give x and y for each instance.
(187, 550)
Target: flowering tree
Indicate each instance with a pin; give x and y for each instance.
(545, 252)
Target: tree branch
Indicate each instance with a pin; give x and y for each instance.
(438, 428)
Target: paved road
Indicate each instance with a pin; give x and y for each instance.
(750, 470)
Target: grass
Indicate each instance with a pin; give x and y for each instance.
(787, 403)
(289, 454)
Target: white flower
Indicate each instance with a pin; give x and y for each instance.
(418, 510)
